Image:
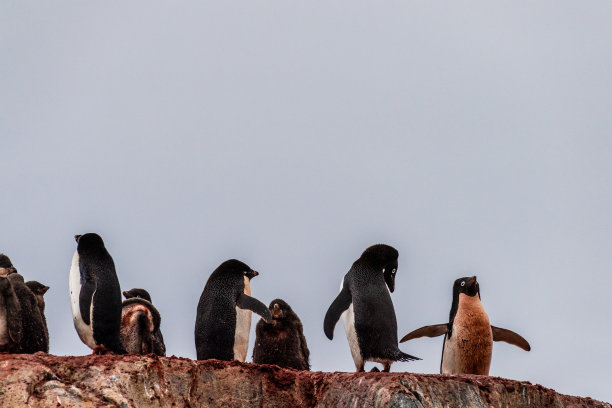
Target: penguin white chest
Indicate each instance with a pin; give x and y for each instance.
(348, 320)
(243, 327)
(470, 347)
(85, 331)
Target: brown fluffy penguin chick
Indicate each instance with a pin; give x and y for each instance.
(39, 290)
(11, 326)
(140, 320)
(281, 341)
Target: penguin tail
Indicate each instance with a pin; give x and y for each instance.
(399, 355)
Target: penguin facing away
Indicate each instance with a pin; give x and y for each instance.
(367, 310)
(140, 324)
(223, 319)
(95, 296)
(469, 337)
(281, 341)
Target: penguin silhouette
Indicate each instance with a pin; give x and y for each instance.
(95, 296)
(223, 318)
(367, 309)
(281, 341)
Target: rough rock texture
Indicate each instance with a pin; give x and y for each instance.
(43, 380)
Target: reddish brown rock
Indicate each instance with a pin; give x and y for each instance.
(43, 380)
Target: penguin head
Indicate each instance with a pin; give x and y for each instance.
(38, 289)
(137, 293)
(6, 266)
(235, 268)
(383, 258)
(282, 314)
(88, 241)
(467, 285)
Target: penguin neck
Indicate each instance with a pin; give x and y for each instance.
(247, 286)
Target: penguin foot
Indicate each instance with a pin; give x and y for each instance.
(375, 370)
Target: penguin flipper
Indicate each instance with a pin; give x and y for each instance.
(85, 299)
(247, 302)
(510, 337)
(338, 306)
(434, 330)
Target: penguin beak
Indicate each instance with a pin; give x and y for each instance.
(276, 311)
(77, 237)
(126, 294)
(252, 274)
(390, 281)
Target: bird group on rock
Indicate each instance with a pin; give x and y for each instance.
(107, 324)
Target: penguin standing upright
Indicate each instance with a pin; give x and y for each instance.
(469, 337)
(223, 318)
(367, 310)
(39, 290)
(281, 341)
(140, 324)
(95, 295)
(11, 327)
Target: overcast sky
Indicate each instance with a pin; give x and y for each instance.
(474, 137)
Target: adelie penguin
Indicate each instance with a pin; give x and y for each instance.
(140, 321)
(367, 310)
(223, 318)
(95, 296)
(281, 341)
(469, 337)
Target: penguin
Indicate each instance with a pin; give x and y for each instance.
(34, 337)
(223, 318)
(469, 337)
(39, 290)
(281, 341)
(140, 324)
(367, 310)
(95, 296)
(11, 327)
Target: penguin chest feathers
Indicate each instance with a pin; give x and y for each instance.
(469, 349)
(243, 327)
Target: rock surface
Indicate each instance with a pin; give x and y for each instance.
(43, 380)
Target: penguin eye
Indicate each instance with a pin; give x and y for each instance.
(462, 283)
(383, 270)
(393, 271)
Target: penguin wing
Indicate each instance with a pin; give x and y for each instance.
(511, 337)
(434, 330)
(85, 298)
(338, 306)
(254, 305)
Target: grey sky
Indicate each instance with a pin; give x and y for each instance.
(475, 137)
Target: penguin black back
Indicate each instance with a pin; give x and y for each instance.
(370, 320)
(216, 319)
(281, 341)
(100, 286)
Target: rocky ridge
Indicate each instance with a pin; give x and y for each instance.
(43, 380)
